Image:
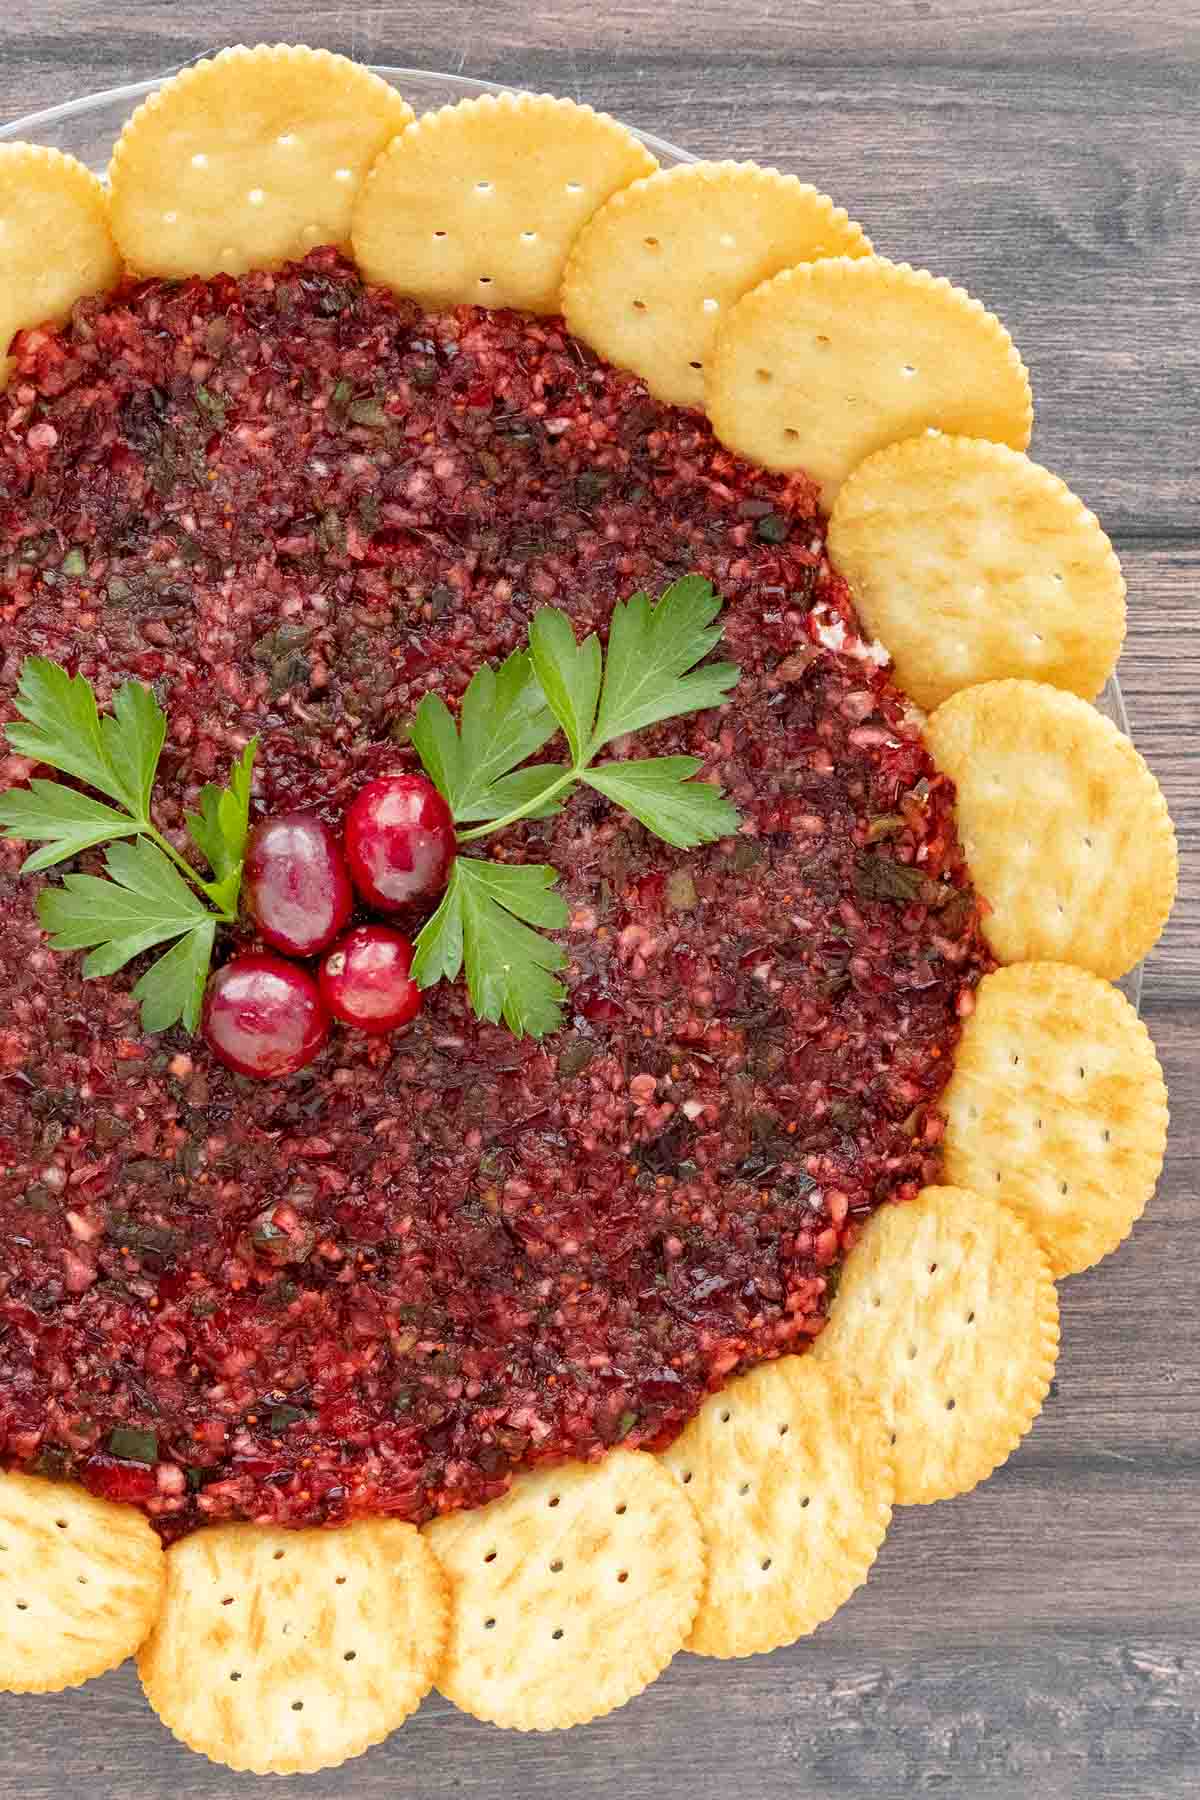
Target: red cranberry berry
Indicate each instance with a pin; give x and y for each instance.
(296, 887)
(263, 1016)
(365, 981)
(399, 841)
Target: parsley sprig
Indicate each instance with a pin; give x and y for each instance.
(151, 894)
(491, 915)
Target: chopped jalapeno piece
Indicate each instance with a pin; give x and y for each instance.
(132, 1445)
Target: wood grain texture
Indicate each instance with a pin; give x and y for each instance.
(1041, 1636)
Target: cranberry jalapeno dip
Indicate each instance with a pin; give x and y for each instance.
(295, 505)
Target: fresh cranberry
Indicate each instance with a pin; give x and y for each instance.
(263, 1016)
(365, 980)
(296, 887)
(399, 841)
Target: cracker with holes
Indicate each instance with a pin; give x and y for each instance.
(479, 203)
(826, 363)
(81, 1582)
(652, 273)
(947, 1313)
(790, 1471)
(1057, 1105)
(49, 199)
(284, 1652)
(971, 563)
(247, 160)
(1064, 828)
(571, 1593)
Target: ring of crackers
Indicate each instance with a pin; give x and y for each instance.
(248, 159)
(570, 1594)
(46, 197)
(284, 1652)
(1057, 1105)
(653, 271)
(1064, 828)
(792, 1476)
(970, 562)
(832, 360)
(479, 203)
(948, 1315)
(279, 1651)
(81, 1583)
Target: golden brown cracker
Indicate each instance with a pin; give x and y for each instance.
(249, 159)
(571, 1593)
(284, 1652)
(1057, 1106)
(970, 563)
(480, 202)
(790, 1471)
(826, 363)
(81, 1582)
(1064, 828)
(948, 1316)
(653, 272)
(56, 245)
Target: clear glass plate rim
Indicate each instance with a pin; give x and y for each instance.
(458, 84)
(455, 87)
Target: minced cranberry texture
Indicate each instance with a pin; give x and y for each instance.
(295, 505)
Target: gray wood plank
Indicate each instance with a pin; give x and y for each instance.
(1041, 1635)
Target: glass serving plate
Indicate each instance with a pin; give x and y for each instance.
(88, 127)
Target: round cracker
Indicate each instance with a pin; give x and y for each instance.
(247, 160)
(479, 203)
(1065, 829)
(823, 364)
(81, 1582)
(791, 1474)
(1057, 1105)
(49, 201)
(571, 1593)
(651, 275)
(948, 1315)
(283, 1652)
(970, 563)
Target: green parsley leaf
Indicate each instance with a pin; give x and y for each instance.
(62, 819)
(220, 828)
(504, 719)
(438, 946)
(61, 727)
(650, 651)
(484, 923)
(173, 987)
(526, 889)
(489, 917)
(434, 737)
(144, 902)
(527, 791)
(660, 793)
(146, 899)
(570, 676)
(133, 735)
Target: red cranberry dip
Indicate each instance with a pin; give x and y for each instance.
(294, 505)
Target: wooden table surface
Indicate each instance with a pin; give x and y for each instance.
(1042, 1635)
